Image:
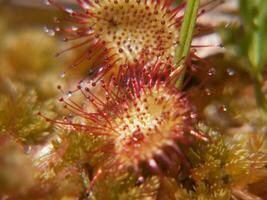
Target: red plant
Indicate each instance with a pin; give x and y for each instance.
(118, 32)
(148, 122)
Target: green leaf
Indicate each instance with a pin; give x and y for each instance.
(185, 38)
(254, 17)
(187, 31)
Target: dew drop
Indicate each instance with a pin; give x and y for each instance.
(74, 28)
(223, 108)
(58, 140)
(140, 180)
(57, 29)
(230, 71)
(89, 194)
(193, 115)
(50, 32)
(85, 5)
(89, 31)
(27, 149)
(211, 71)
(47, 2)
(46, 29)
(207, 91)
(56, 20)
(69, 10)
(62, 75)
(221, 45)
(65, 39)
(152, 163)
(69, 94)
(100, 69)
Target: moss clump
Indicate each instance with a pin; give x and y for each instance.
(19, 107)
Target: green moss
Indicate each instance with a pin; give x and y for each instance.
(124, 187)
(19, 107)
(81, 148)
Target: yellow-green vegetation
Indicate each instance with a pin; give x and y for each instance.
(227, 166)
(125, 187)
(19, 107)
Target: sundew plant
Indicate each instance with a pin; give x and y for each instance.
(133, 100)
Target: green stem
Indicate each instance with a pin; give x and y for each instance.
(186, 35)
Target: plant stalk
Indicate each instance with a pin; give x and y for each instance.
(185, 39)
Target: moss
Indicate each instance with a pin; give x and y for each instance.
(19, 107)
(125, 187)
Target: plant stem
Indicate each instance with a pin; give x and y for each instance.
(185, 39)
